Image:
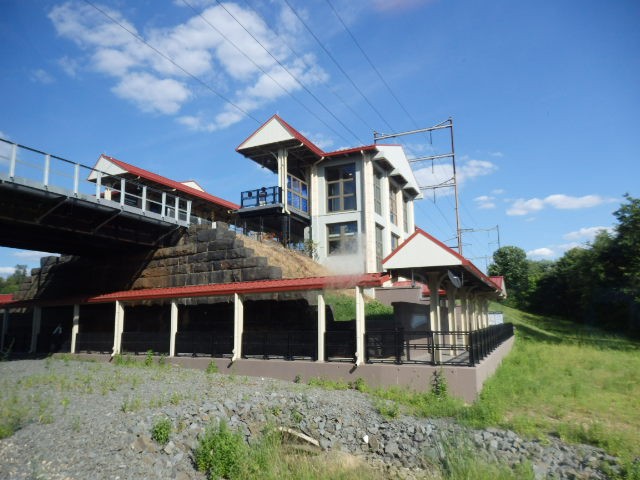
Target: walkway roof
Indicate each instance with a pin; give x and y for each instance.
(222, 289)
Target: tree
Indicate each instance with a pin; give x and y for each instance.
(627, 245)
(511, 263)
(13, 281)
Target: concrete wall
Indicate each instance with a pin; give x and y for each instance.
(463, 382)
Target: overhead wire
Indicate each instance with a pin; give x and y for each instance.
(227, 39)
(337, 64)
(173, 62)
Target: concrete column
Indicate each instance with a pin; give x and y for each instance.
(464, 316)
(368, 208)
(473, 311)
(75, 327)
(118, 328)
(360, 327)
(322, 326)
(35, 328)
(282, 174)
(434, 310)
(238, 326)
(5, 327)
(451, 315)
(174, 328)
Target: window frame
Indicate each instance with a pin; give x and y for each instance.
(341, 183)
(346, 238)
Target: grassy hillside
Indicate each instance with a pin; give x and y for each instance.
(568, 380)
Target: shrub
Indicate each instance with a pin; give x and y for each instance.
(221, 453)
(161, 431)
(148, 360)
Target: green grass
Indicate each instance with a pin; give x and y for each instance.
(344, 308)
(161, 430)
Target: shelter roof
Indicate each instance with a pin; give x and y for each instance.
(123, 167)
(422, 253)
(6, 298)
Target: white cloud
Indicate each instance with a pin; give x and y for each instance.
(496, 154)
(543, 252)
(203, 48)
(7, 271)
(523, 206)
(467, 169)
(586, 234)
(69, 66)
(323, 142)
(485, 202)
(41, 76)
(32, 255)
(498, 191)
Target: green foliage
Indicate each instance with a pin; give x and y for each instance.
(387, 408)
(161, 430)
(327, 384)
(511, 263)
(221, 453)
(13, 281)
(148, 360)
(344, 308)
(599, 283)
(14, 414)
(212, 367)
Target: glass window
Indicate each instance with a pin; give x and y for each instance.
(341, 188)
(393, 205)
(395, 241)
(297, 193)
(379, 236)
(342, 238)
(405, 214)
(377, 191)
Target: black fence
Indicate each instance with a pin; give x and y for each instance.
(94, 342)
(287, 345)
(340, 346)
(435, 348)
(204, 344)
(141, 342)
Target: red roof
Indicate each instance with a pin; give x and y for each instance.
(257, 286)
(6, 298)
(465, 263)
(172, 183)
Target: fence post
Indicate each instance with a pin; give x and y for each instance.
(188, 211)
(175, 212)
(122, 190)
(164, 204)
(12, 161)
(47, 167)
(144, 198)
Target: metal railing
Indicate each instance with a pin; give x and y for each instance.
(94, 342)
(141, 342)
(340, 346)
(49, 172)
(261, 196)
(435, 348)
(204, 344)
(286, 345)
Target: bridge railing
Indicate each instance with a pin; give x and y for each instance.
(50, 172)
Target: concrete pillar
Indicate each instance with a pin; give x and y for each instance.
(75, 327)
(360, 327)
(118, 328)
(282, 174)
(322, 326)
(35, 328)
(174, 328)
(451, 315)
(434, 311)
(238, 326)
(5, 327)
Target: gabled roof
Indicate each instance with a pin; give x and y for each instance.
(6, 298)
(423, 252)
(154, 177)
(499, 281)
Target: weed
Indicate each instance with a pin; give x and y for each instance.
(387, 408)
(148, 359)
(328, 384)
(175, 398)
(296, 416)
(161, 431)
(162, 360)
(212, 367)
(131, 405)
(359, 384)
(439, 384)
(297, 379)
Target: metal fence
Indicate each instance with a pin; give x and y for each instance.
(94, 342)
(287, 345)
(204, 344)
(39, 169)
(141, 342)
(435, 348)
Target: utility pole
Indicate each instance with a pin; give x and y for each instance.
(449, 183)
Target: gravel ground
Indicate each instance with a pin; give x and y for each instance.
(94, 420)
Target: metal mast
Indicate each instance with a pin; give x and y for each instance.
(449, 183)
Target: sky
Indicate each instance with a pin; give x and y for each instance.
(544, 97)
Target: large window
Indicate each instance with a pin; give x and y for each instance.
(342, 238)
(297, 193)
(379, 236)
(341, 188)
(393, 205)
(377, 191)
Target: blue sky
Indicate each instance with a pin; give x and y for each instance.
(544, 96)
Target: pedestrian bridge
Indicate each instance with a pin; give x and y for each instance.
(52, 204)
